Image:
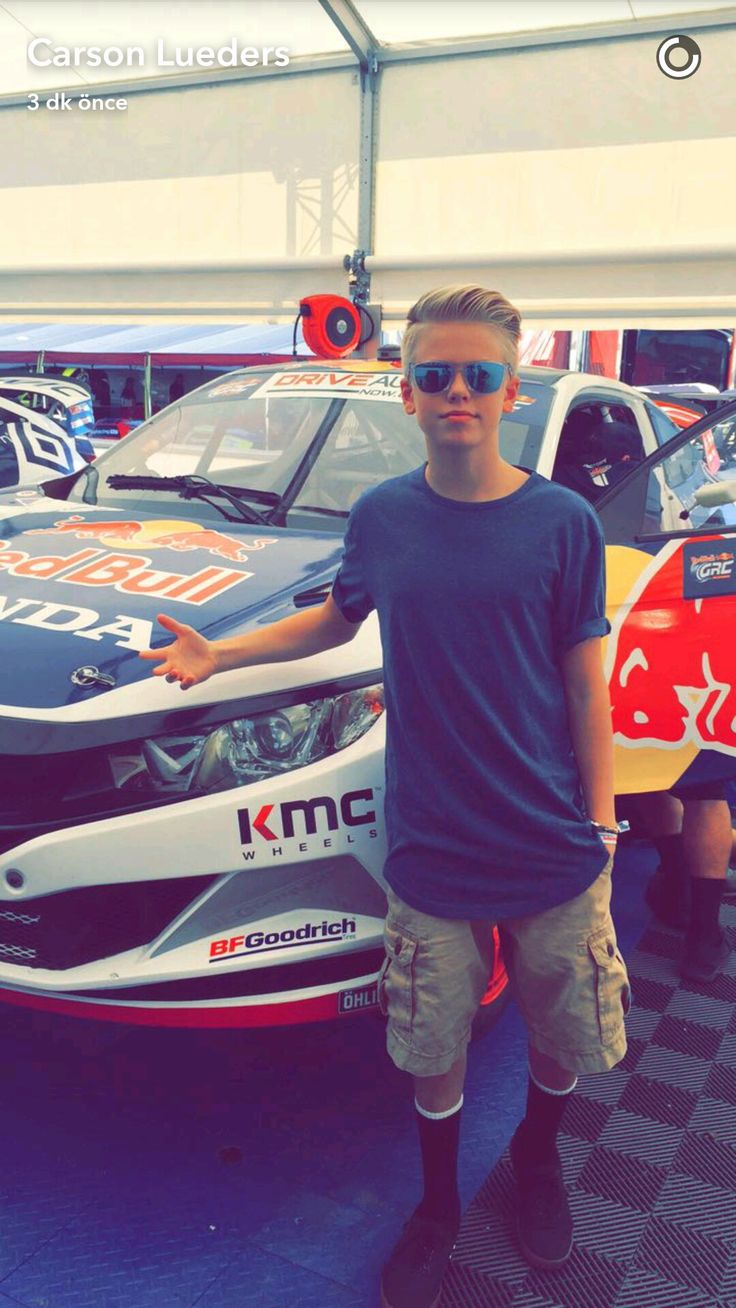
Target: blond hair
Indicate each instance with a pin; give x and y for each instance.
(464, 304)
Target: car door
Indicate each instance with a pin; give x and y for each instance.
(670, 531)
(574, 419)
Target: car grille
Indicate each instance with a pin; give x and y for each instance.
(51, 792)
(12, 923)
(79, 926)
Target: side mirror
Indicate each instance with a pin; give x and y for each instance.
(713, 493)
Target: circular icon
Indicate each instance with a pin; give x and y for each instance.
(679, 69)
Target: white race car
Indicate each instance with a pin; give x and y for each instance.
(214, 857)
(44, 425)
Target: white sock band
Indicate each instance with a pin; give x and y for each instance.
(546, 1088)
(438, 1117)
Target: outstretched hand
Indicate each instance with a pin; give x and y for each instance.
(188, 660)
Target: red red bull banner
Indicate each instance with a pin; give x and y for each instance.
(671, 656)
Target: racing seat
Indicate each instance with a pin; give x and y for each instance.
(573, 450)
(600, 460)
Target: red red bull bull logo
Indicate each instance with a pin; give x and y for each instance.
(225, 547)
(671, 660)
(170, 535)
(76, 526)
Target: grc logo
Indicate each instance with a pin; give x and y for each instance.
(716, 567)
(263, 824)
(671, 664)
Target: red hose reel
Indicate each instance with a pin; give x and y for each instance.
(330, 325)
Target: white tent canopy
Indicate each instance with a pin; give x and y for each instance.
(535, 146)
(301, 25)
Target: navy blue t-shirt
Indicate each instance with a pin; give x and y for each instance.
(476, 602)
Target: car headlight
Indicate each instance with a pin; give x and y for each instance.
(246, 749)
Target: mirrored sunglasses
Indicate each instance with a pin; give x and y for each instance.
(483, 377)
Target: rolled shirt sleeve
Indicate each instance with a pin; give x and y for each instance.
(350, 590)
(580, 610)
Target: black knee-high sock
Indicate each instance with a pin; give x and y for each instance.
(537, 1136)
(669, 849)
(705, 903)
(439, 1139)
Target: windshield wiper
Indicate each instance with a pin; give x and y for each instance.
(192, 487)
(315, 508)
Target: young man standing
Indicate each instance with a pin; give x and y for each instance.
(488, 583)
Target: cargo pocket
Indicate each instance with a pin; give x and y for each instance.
(396, 979)
(613, 993)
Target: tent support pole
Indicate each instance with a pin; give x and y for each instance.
(147, 407)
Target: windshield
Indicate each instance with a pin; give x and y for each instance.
(316, 440)
(522, 431)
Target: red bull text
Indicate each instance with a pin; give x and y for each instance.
(131, 573)
(128, 573)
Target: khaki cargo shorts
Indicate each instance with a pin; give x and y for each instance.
(566, 973)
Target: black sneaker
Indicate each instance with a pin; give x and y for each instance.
(702, 959)
(544, 1221)
(412, 1277)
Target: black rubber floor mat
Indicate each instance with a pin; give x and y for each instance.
(649, 1156)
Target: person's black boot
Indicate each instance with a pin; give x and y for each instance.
(412, 1276)
(706, 949)
(544, 1220)
(703, 957)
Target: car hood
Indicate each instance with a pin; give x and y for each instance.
(80, 587)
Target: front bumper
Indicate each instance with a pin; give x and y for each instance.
(252, 906)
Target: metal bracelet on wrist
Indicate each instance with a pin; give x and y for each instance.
(604, 830)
